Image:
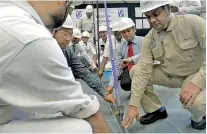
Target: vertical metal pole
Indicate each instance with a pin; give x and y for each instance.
(97, 7)
(94, 29)
(119, 113)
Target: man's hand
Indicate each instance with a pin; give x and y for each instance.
(98, 123)
(189, 93)
(100, 74)
(109, 98)
(109, 88)
(126, 62)
(131, 114)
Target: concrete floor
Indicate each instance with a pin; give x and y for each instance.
(178, 120)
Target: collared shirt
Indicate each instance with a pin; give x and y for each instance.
(87, 24)
(122, 53)
(88, 48)
(115, 45)
(80, 51)
(102, 44)
(188, 6)
(83, 72)
(106, 52)
(34, 75)
(180, 50)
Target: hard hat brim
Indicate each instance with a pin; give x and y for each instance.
(154, 7)
(77, 37)
(115, 30)
(67, 27)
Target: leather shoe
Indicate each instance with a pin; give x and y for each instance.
(154, 116)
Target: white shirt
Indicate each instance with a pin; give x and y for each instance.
(87, 24)
(34, 76)
(101, 43)
(106, 52)
(115, 44)
(188, 6)
(90, 50)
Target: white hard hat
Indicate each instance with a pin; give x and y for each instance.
(85, 34)
(125, 23)
(102, 28)
(68, 23)
(115, 26)
(89, 9)
(148, 5)
(72, 6)
(76, 33)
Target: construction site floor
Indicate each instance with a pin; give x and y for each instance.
(178, 120)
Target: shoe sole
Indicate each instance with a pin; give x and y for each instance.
(198, 128)
(152, 121)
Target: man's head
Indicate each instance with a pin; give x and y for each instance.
(115, 29)
(103, 32)
(157, 13)
(76, 36)
(85, 37)
(127, 28)
(72, 7)
(89, 11)
(52, 13)
(64, 34)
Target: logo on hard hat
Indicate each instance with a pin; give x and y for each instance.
(78, 14)
(145, 3)
(121, 13)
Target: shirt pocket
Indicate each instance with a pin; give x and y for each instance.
(189, 49)
(157, 51)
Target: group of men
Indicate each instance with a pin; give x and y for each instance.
(38, 67)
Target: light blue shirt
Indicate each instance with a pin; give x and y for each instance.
(122, 53)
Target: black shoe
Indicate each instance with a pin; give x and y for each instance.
(199, 125)
(154, 116)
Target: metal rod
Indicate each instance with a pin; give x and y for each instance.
(112, 56)
(97, 8)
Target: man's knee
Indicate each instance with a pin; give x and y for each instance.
(76, 126)
(199, 104)
(47, 125)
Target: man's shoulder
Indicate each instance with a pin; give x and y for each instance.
(188, 18)
(23, 27)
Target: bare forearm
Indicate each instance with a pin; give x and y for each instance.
(95, 58)
(98, 123)
(103, 64)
